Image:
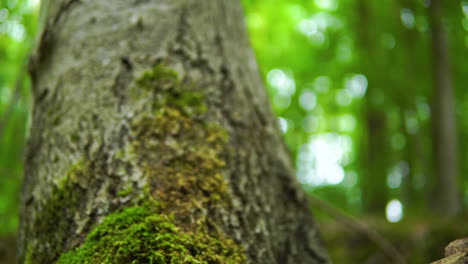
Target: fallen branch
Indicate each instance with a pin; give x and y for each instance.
(389, 250)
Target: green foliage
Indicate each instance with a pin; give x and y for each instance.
(336, 69)
(17, 29)
(314, 56)
(142, 235)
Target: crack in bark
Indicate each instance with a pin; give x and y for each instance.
(121, 81)
(46, 40)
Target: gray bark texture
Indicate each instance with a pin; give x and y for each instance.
(132, 97)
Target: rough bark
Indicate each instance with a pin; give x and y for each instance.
(161, 101)
(447, 197)
(455, 253)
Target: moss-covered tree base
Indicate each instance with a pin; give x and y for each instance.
(152, 142)
(141, 234)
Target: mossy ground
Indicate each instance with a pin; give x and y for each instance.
(181, 156)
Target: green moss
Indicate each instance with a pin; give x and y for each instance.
(76, 170)
(159, 75)
(142, 235)
(28, 256)
(178, 216)
(170, 91)
(189, 102)
(125, 192)
(75, 138)
(120, 154)
(188, 172)
(64, 202)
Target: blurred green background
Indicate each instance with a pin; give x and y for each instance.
(354, 85)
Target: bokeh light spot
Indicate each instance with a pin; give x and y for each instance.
(308, 100)
(346, 123)
(407, 18)
(329, 5)
(282, 82)
(357, 85)
(394, 211)
(310, 123)
(322, 160)
(322, 84)
(343, 97)
(283, 124)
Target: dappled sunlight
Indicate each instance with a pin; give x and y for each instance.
(407, 18)
(34, 3)
(308, 100)
(322, 160)
(283, 124)
(397, 173)
(322, 84)
(282, 82)
(357, 85)
(361, 114)
(346, 123)
(329, 5)
(394, 211)
(14, 28)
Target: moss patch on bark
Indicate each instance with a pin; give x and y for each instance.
(54, 219)
(178, 218)
(168, 90)
(142, 235)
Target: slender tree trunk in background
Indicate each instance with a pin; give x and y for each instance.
(148, 109)
(447, 197)
(408, 190)
(374, 150)
(412, 191)
(374, 182)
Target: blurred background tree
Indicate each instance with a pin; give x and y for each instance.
(18, 21)
(371, 98)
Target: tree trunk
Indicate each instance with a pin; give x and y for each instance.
(374, 148)
(447, 197)
(152, 141)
